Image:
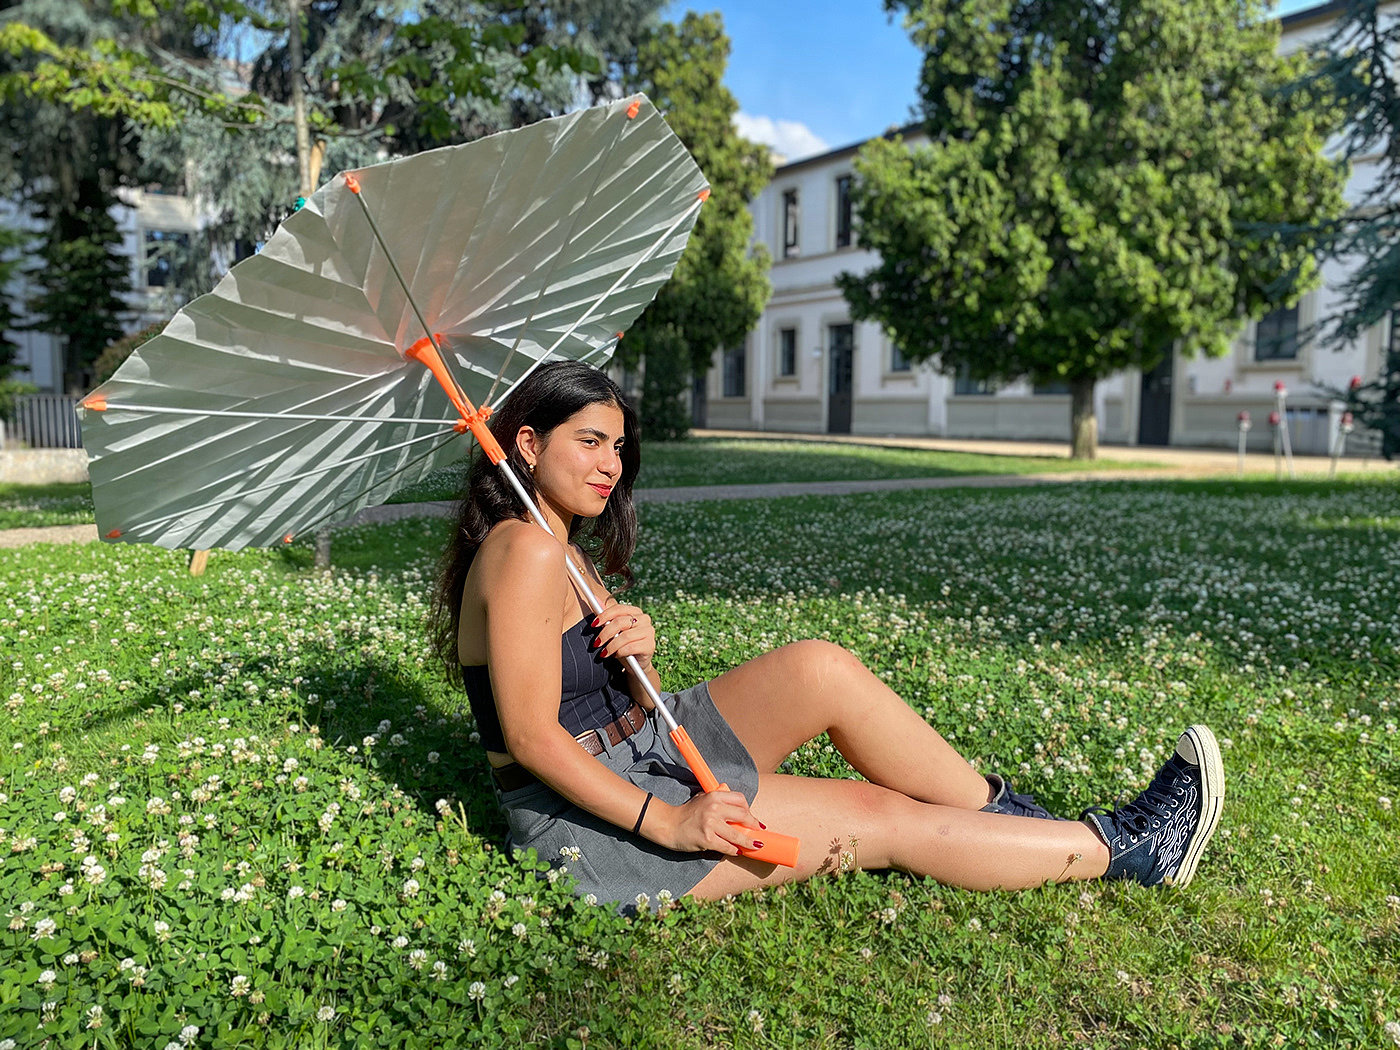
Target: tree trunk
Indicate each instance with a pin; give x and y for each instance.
(308, 168)
(303, 132)
(1083, 424)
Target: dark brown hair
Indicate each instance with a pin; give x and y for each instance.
(546, 398)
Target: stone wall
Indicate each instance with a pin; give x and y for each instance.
(43, 466)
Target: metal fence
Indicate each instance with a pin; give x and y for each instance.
(44, 421)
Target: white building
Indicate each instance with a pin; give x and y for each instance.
(807, 367)
(146, 219)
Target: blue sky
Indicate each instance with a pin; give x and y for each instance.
(820, 74)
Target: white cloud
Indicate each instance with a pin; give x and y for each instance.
(790, 139)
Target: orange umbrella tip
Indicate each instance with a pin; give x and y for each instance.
(634, 109)
(97, 403)
(352, 183)
(704, 194)
(619, 335)
(114, 534)
(287, 538)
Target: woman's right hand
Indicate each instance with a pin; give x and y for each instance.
(709, 822)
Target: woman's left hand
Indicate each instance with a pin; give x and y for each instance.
(626, 631)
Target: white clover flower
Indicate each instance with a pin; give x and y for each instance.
(326, 1013)
(417, 958)
(411, 888)
(189, 1033)
(1392, 1029)
(642, 901)
(476, 991)
(467, 947)
(240, 986)
(518, 929)
(47, 979)
(439, 970)
(433, 757)
(675, 984)
(889, 916)
(755, 1020)
(400, 941)
(510, 980)
(933, 1018)
(338, 905)
(44, 929)
(94, 1017)
(294, 892)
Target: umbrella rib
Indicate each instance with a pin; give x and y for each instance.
(316, 524)
(307, 474)
(568, 239)
(417, 310)
(587, 314)
(161, 410)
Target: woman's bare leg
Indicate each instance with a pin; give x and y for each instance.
(959, 847)
(784, 698)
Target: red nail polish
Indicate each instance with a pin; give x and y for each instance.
(597, 620)
(757, 845)
(763, 825)
(597, 642)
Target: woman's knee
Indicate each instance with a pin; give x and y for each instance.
(821, 663)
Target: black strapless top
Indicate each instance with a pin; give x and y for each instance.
(593, 690)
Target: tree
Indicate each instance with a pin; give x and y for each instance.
(720, 285)
(356, 82)
(1356, 63)
(1097, 189)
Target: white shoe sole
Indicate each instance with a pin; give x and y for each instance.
(1207, 756)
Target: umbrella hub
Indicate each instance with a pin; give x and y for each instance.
(426, 353)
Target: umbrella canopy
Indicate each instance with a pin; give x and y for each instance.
(290, 396)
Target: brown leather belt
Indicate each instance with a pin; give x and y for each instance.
(513, 776)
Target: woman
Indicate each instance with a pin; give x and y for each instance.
(544, 676)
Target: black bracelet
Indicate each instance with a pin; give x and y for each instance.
(637, 827)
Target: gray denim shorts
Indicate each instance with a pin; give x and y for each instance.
(612, 864)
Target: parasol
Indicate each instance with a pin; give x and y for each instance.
(348, 357)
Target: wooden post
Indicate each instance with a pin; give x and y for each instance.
(198, 561)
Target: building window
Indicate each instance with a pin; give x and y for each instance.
(965, 386)
(789, 223)
(843, 212)
(1059, 386)
(160, 246)
(734, 372)
(787, 351)
(898, 362)
(1276, 336)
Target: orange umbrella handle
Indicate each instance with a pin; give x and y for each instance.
(776, 849)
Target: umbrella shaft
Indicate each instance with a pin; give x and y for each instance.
(581, 585)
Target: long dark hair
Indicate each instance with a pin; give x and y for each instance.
(550, 395)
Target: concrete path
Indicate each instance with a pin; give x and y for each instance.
(1143, 464)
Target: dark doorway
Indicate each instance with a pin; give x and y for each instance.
(699, 403)
(1155, 408)
(842, 341)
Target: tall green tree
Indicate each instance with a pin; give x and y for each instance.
(1357, 64)
(354, 82)
(1099, 186)
(720, 285)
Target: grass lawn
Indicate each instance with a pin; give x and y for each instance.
(32, 506)
(702, 461)
(248, 802)
(748, 461)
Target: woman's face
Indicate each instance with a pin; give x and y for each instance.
(579, 462)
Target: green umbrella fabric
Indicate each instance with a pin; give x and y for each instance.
(282, 400)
